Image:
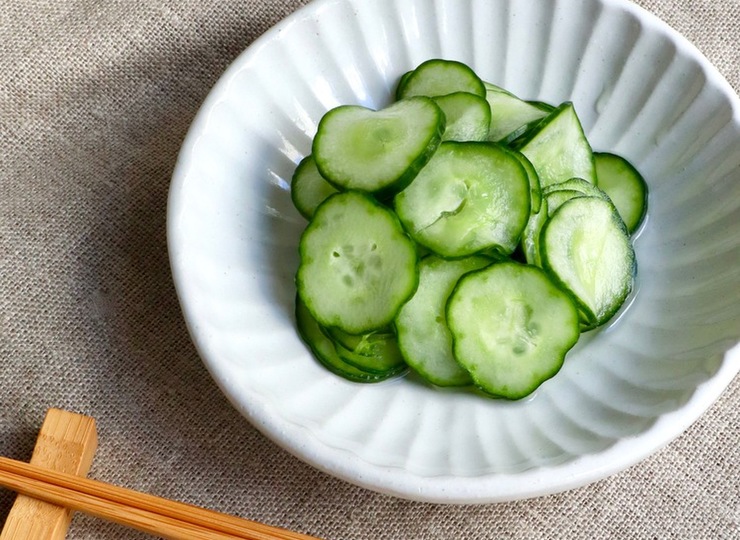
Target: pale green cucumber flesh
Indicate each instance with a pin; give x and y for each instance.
(378, 152)
(324, 351)
(531, 235)
(511, 327)
(534, 181)
(387, 358)
(421, 324)
(510, 115)
(625, 186)
(470, 198)
(308, 188)
(558, 148)
(577, 184)
(368, 344)
(586, 248)
(357, 264)
(376, 352)
(548, 108)
(468, 116)
(401, 83)
(438, 77)
(555, 199)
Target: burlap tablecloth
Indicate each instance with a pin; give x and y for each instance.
(95, 99)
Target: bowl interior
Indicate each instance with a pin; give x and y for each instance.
(639, 89)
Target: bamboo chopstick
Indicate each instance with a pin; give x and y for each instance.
(66, 443)
(147, 513)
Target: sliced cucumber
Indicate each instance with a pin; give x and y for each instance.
(576, 184)
(586, 248)
(438, 77)
(471, 197)
(357, 265)
(534, 181)
(555, 199)
(374, 352)
(324, 351)
(377, 151)
(542, 105)
(511, 327)
(625, 186)
(531, 235)
(385, 359)
(365, 344)
(513, 139)
(523, 246)
(308, 188)
(558, 148)
(510, 115)
(557, 194)
(468, 116)
(490, 87)
(423, 336)
(401, 83)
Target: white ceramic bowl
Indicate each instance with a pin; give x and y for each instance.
(641, 90)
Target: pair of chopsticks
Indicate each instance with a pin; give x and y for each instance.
(147, 513)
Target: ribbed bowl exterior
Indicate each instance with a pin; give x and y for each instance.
(625, 390)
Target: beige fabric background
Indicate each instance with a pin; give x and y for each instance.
(95, 99)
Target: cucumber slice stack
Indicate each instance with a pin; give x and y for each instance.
(463, 233)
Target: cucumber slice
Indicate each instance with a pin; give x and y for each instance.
(357, 265)
(377, 151)
(558, 148)
(386, 358)
(542, 105)
(625, 186)
(490, 87)
(439, 77)
(308, 188)
(586, 248)
(510, 115)
(375, 352)
(531, 235)
(513, 139)
(324, 351)
(579, 185)
(511, 327)
(557, 194)
(365, 344)
(401, 83)
(555, 199)
(535, 191)
(471, 197)
(576, 184)
(468, 116)
(423, 336)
